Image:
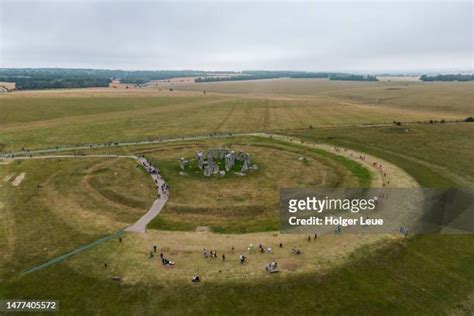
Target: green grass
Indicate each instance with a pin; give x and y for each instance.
(438, 155)
(234, 204)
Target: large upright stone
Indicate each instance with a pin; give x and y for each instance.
(200, 159)
(229, 161)
(182, 163)
(207, 170)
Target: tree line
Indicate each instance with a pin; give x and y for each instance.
(51, 78)
(447, 77)
(256, 75)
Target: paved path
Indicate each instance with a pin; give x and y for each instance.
(162, 193)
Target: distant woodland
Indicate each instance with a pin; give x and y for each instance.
(448, 77)
(51, 78)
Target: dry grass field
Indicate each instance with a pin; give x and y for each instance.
(82, 200)
(49, 118)
(73, 201)
(130, 259)
(77, 202)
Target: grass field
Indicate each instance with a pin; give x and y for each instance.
(78, 201)
(85, 199)
(38, 119)
(82, 199)
(233, 204)
(441, 151)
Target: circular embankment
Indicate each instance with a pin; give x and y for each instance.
(176, 246)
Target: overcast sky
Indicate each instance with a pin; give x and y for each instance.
(356, 36)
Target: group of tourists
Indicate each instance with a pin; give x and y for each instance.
(404, 231)
(165, 261)
(375, 164)
(271, 267)
(295, 251)
(212, 253)
(155, 173)
(262, 249)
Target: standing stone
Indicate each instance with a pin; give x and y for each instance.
(229, 162)
(207, 170)
(182, 163)
(200, 159)
(245, 166)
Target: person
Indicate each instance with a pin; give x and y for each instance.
(223, 257)
(271, 267)
(151, 255)
(281, 245)
(405, 231)
(295, 251)
(105, 265)
(120, 239)
(242, 259)
(269, 250)
(167, 262)
(315, 236)
(154, 248)
(309, 238)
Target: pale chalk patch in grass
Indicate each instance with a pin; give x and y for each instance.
(202, 229)
(19, 179)
(8, 177)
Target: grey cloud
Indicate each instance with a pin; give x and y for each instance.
(341, 36)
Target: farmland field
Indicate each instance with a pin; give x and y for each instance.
(44, 119)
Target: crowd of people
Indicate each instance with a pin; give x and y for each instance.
(155, 173)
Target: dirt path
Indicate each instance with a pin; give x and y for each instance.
(385, 173)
